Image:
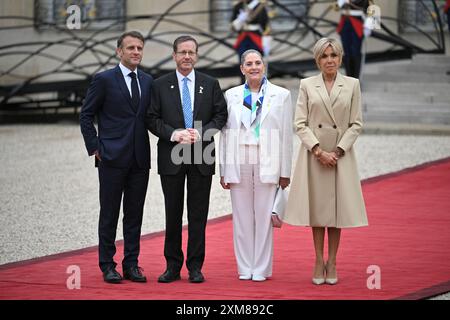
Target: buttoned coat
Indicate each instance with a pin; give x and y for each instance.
(121, 129)
(276, 134)
(321, 196)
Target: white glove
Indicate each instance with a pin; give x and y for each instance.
(243, 15)
(341, 3)
(369, 23)
(266, 40)
(252, 5)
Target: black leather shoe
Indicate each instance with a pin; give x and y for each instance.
(196, 276)
(112, 276)
(134, 274)
(169, 276)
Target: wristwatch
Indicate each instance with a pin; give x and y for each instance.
(339, 152)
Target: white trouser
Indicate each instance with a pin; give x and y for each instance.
(252, 203)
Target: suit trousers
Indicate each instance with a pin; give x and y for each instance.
(252, 203)
(198, 192)
(351, 44)
(132, 183)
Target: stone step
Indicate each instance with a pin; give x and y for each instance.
(424, 97)
(405, 87)
(403, 104)
(405, 78)
(410, 93)
(409, 128)
(439, 116)
(426, 64)
(395, 116)
(416, 69)
(405, 108)
(387, 107)
(433, 59)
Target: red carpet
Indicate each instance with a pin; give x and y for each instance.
(408, 238)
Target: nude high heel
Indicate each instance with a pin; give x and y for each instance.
(319, 281)
(331, 281)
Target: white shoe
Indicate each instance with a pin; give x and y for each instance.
(245, 277)
(318, 281)
(330, 280)
(321, 280)
(258, 278)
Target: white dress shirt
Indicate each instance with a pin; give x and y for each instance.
(190, 84)
(191, 88)
(125, 72)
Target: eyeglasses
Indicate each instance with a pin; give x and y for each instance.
(189, 53)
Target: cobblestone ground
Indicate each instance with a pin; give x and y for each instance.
(49, 186)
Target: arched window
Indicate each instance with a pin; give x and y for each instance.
(222, 9)
(416, 13)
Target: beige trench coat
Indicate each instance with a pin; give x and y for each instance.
(320, 196)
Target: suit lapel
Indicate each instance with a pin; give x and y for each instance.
(238, 104)
(321, 88)
(123, 86)
(336, 88)
(268, 97)
(142, 84)
(199, 89)
(174, 93)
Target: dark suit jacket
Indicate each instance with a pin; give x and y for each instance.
(166, 115)
(121, 129)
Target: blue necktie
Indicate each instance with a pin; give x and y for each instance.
(187, 109)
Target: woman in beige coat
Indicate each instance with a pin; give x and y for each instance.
(326, 189)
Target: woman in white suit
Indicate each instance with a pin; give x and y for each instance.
(255, 157)
(326, 189)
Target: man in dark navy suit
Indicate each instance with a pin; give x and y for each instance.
(187, 109)
(119, 99)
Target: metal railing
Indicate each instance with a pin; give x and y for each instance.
(76, 56)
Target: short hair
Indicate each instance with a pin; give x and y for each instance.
(322, 44)
(134, 34)
(182, 39)
(247, 52)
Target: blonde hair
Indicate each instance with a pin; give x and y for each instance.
(322, 44)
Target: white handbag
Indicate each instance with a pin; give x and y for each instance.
(279, 205)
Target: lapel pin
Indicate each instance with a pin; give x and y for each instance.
(201, 90)
(171, 87)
